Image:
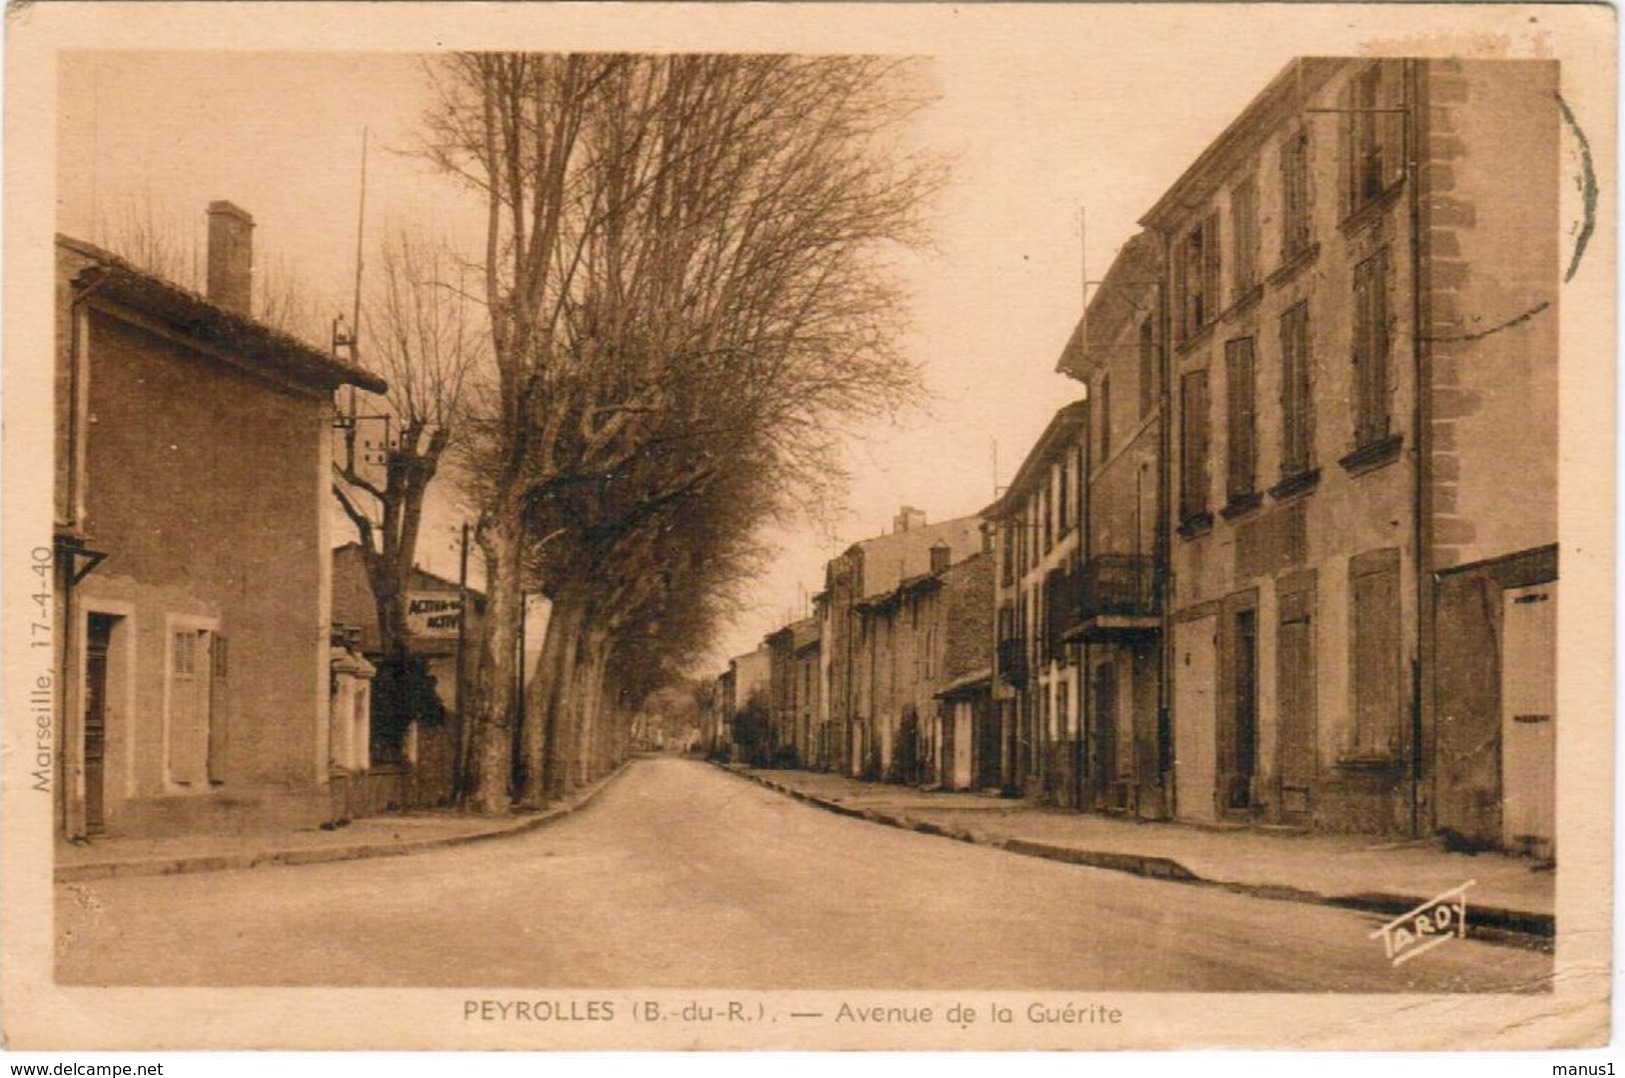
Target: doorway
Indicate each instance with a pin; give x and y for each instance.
(1238, 747)
(98, 645)
(1529, 719)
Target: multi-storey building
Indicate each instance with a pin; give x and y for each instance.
(853, 700)
(1115, 619)
(793, 691)
(928, 633)
(1360, 308)
(1037, 525)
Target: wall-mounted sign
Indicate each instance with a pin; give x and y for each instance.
(433, 614)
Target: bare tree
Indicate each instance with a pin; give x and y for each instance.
(678, 249)
(422, 339)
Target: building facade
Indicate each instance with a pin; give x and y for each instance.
(793, 692)
(192, 546)
(412, 744)
(926, 634)
(1115, 620)
(859, 693)
(1037, 524)
(1360, 317)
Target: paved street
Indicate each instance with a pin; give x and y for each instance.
(682, 875)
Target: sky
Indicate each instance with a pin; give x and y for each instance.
(1043, 120)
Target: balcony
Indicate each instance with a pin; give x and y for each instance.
(1119, 600)
(1013, 661)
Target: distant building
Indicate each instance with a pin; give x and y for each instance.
(412, 750)
(927, 633)
(747, 707)
(853, 701)
(191, 541)
(793, 690)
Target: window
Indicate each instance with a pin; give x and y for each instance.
(1196, 277)
(1244, 233)
(1103, 418)
(1375, 133)
(1148, 369)
(1045, 504)
(1007, 554)
(191, 674)
(1064, 508)
(1377, 685)
(1297, 406)
(1193, 448)
(1371, 350)
(1295, 206)
(1242, 451)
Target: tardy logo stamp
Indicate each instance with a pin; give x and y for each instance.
(1436, 921)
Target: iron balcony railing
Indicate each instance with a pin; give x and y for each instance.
(1119, 585)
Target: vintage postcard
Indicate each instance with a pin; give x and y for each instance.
(803, 526)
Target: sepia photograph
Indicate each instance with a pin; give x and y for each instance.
(803, 526)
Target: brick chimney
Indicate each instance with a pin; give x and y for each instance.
(940, 553)
(908, 518)
(231, 257)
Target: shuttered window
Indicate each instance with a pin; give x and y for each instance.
(1103, 418)
(1374, 136)
(1196, 277)
(1148, 369)
(1240, 397)
(1375, 676)
(1371, 348)
(1244, 237)
(1194, 446)
(1296, 227)
(1297, 404)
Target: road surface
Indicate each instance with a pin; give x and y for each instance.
(681, 875)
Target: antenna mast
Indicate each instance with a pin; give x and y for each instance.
(360, 228)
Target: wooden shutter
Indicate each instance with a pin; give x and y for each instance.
(219, 722)
(1376, 677)
(1193, 445)
(1242, 450)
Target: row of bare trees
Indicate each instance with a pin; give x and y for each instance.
(687, 293)
(689, 290)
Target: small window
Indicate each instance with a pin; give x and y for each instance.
(185, 652)
(1064, 509)
(1148, 369)
(1103, 418)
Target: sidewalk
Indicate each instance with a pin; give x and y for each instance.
(1385, 876)
(375, 836)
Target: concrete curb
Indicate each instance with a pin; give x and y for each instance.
(316, 855)
(1491, 924)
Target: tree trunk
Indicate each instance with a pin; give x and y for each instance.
(558, 714)
(491, 701)
(543, 695)
(597, 657)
